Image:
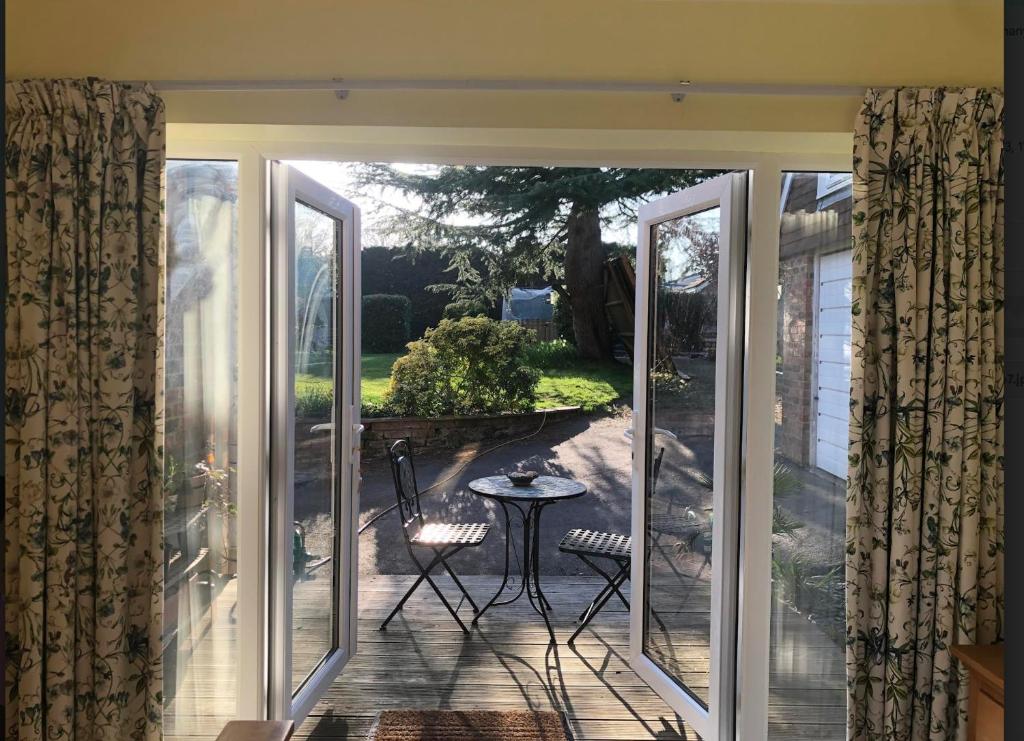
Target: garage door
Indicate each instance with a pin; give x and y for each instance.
(833, 362)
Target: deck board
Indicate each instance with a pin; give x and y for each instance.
(424, 661)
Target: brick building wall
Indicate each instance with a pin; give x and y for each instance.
(794, 386)
(807, 229)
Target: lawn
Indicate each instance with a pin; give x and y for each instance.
(376, 372)
(591, 386)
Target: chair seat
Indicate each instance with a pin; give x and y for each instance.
(593, 543)
(460, 533)
(677, 525)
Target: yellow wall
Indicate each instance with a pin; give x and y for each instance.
(854, 42)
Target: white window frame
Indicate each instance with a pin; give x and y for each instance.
(289, 187)
(252, 470)
(728, 193)
(765, 154)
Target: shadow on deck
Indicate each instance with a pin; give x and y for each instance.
(423, 661)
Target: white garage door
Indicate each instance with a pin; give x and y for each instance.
(833, 363)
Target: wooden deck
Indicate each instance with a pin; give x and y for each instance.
(424, 661)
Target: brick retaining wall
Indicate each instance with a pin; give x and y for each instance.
(442, 433)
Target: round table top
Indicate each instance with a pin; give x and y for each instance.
(548, 488)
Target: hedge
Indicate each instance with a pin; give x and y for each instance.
(386, 322)
(411, 273)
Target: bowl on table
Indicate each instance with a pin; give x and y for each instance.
(522, 478)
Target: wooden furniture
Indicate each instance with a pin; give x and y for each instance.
(984, 665)
(257, 730)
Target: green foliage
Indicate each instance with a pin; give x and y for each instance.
(386, 322)
(415, 273)
(593, 386)
(784, 523)
(789, 576)
(465, 307)
(473, 365)
(519, 215)
(552, 354)
(784, 483)
(562, 318)
(378, 409)
(314, 398)
(376, 377)
(820, 595)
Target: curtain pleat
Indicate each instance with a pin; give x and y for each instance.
(925, 491)
(83, 584)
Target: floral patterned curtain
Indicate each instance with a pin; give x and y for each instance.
(925, 492)
(84, 563)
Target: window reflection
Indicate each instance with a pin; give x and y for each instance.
(200, 446)
(812, 393)
(681, 433)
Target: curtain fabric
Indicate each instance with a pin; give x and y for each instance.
(83, 582)
(925, 492)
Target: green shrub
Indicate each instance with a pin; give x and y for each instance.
(465, 307)
(371, 409)
(473, 365)
(552, 354)
(313, 401)
(386, 320)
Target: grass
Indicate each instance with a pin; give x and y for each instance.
(589, 385)
(376, 372)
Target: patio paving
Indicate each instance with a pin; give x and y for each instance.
(594, 450)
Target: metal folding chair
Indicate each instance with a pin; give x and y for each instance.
(589, 544)
(443, 540)
(585, 544)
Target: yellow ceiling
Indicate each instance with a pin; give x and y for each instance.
(843, 42)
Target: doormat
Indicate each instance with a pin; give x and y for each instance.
(468, 725)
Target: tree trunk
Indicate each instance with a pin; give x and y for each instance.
(585, 256)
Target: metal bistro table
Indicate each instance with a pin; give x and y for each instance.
(543, 491)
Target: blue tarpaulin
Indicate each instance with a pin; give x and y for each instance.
(527, 303)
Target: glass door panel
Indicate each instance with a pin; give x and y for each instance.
(807, 680)
(679, 506)
(314, 439)
(200, 630)
(315, 479)
(688, 365)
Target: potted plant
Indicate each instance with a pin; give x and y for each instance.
(216, 483)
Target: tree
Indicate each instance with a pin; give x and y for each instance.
(532, 225)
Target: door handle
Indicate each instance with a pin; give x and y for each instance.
(357, 437)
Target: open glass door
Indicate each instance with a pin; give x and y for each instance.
(686, 468)
(315, 433)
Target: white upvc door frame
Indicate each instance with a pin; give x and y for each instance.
(766, 156)
(728, 193)
(289, 187)
(252, 418)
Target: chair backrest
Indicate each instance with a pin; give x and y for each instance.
(404, 473)
(656, 470)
